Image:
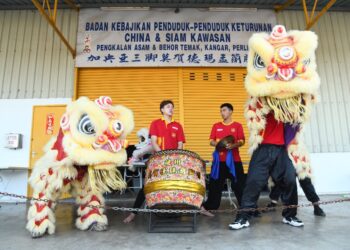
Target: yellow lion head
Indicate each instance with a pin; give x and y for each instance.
(282, 64)
(282, 71)
(94, 132)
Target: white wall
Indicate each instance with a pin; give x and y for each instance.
(16, 117)
(34, 62)
(13, 181)
(331, 172)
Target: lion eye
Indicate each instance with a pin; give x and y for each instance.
(85, 125)
(118, 127)
(258, 63)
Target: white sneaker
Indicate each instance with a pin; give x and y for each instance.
(239, 224)
(293, 221)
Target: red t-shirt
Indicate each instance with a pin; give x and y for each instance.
(274, 131)
(168, 135)
(221, 130)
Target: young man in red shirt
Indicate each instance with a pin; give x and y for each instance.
(165, 134)
(226, 162)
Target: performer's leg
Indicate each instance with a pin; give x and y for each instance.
(311, 195)
(284, 175)
(258, 174)
(290, 197)
(237, 184)
(140, 199)
(91, 218)
(261, 162)
(215, 190)
(274, 195)
(309, 190)
(47, 184)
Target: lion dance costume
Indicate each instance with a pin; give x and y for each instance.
(283, 84)
(287, 85)
(82, 160)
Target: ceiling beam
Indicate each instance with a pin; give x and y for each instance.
(306, 13)
(71, 4)
(283, 6)
(50, 16)
(313, 9)
(310, 18)
(313, 20)
(157, 4)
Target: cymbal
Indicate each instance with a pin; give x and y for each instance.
(224, 141)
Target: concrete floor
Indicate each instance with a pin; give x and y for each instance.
(267, 232)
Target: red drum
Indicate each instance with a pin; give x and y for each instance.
(175, 177)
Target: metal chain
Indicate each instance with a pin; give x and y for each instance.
(24, 197)
(182, 211)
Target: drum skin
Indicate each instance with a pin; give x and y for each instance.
(175, 177)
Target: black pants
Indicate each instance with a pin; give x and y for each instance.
(140, 199)
(216, 186)
(270, 160)
(305, 184)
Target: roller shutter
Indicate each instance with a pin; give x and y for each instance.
(196, 92)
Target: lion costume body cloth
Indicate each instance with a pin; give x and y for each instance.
(282, 80)
(82, 160)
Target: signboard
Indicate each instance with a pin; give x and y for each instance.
(160, 37)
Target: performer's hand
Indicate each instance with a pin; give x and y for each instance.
(230, 146)
(213, 143)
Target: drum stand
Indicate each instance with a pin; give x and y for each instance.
(172, 222)
(229, 192)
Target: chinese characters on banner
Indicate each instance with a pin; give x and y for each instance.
(50, 122)
(160, 37)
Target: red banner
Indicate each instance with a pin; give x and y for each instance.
(50, 121)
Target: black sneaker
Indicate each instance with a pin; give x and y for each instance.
(239, 224)
(293, 221)
(318, 211)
